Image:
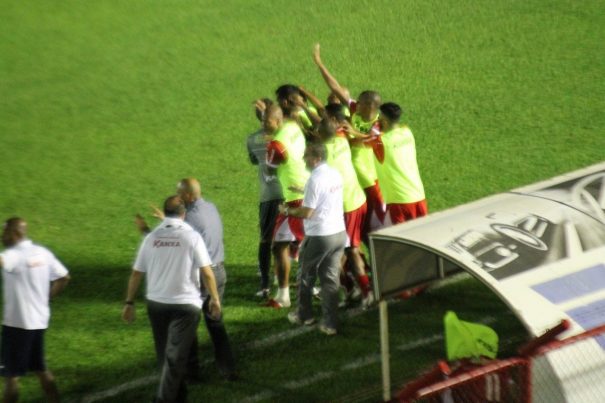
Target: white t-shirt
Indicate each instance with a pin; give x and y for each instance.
(27, 272)
(171, 256)
(323, 193)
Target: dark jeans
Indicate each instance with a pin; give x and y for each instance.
(174, 329)
(267, 214)
(223, 354)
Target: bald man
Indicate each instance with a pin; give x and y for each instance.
(30, 276)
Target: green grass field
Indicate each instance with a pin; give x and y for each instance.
(104, 106)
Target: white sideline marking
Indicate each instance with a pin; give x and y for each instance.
(266, 342)
(301, 383)
(290, 334)
(359, 363)
(146, 380)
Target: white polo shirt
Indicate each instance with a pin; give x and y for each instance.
(323, 193)
(171, 256)
(27, 271)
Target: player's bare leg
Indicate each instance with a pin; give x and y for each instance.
(281, 256)
(11, 390)
(358, 265)
(49, 386)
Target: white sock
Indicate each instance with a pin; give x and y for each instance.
(283, 294)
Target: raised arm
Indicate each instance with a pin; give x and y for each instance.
(328, 78)
(141, 224)
(311, 97)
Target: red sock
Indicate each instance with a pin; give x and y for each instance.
(364, 284)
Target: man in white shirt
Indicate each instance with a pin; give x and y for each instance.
(31, 275)
(174, 257)
(324, 242)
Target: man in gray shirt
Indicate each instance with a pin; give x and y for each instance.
(270, 197)
(203, 216)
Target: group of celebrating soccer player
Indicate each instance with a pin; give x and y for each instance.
(367, 144)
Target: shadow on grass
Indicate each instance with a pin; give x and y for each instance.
(98, 351)
(108, 282)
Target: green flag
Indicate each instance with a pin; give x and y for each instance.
(468, 340)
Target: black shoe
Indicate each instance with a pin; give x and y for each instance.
(231, 376)
(194, 378)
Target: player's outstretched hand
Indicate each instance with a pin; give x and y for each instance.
(142, 226)
(260, 106)
(156, 212)
(316, 54)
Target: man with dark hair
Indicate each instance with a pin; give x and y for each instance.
(364, 118)
(397, 168)
(270, 196)
(293, 101)
(324, 242)
(31, 275)
(174, 257)
(391, 111)
(285, 159)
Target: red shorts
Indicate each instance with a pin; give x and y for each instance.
(398, 213)
(289, 229)
(375, 211)
(354, 221)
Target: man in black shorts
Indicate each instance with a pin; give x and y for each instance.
(30, 275)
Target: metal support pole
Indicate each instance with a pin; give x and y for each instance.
(384, 350)
(441, 267)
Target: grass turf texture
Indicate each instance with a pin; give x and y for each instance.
(105, 105)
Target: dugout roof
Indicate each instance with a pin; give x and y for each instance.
(540, 248)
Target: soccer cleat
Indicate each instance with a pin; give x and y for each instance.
(367, 301)
(328, 331)
(273, 303)
(407, 294)
(296, 320)
(262, 293)
(354, 294)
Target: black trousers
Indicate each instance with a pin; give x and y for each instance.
(174, 329)
(267, 215)
(223, 355)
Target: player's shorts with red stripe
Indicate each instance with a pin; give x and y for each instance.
(289, 229)
(354, 221)
(402, 212)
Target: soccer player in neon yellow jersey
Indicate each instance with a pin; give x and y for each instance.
(397, 168)
(355, 207)
(285, 158)
(364, 118)
(293, 101)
